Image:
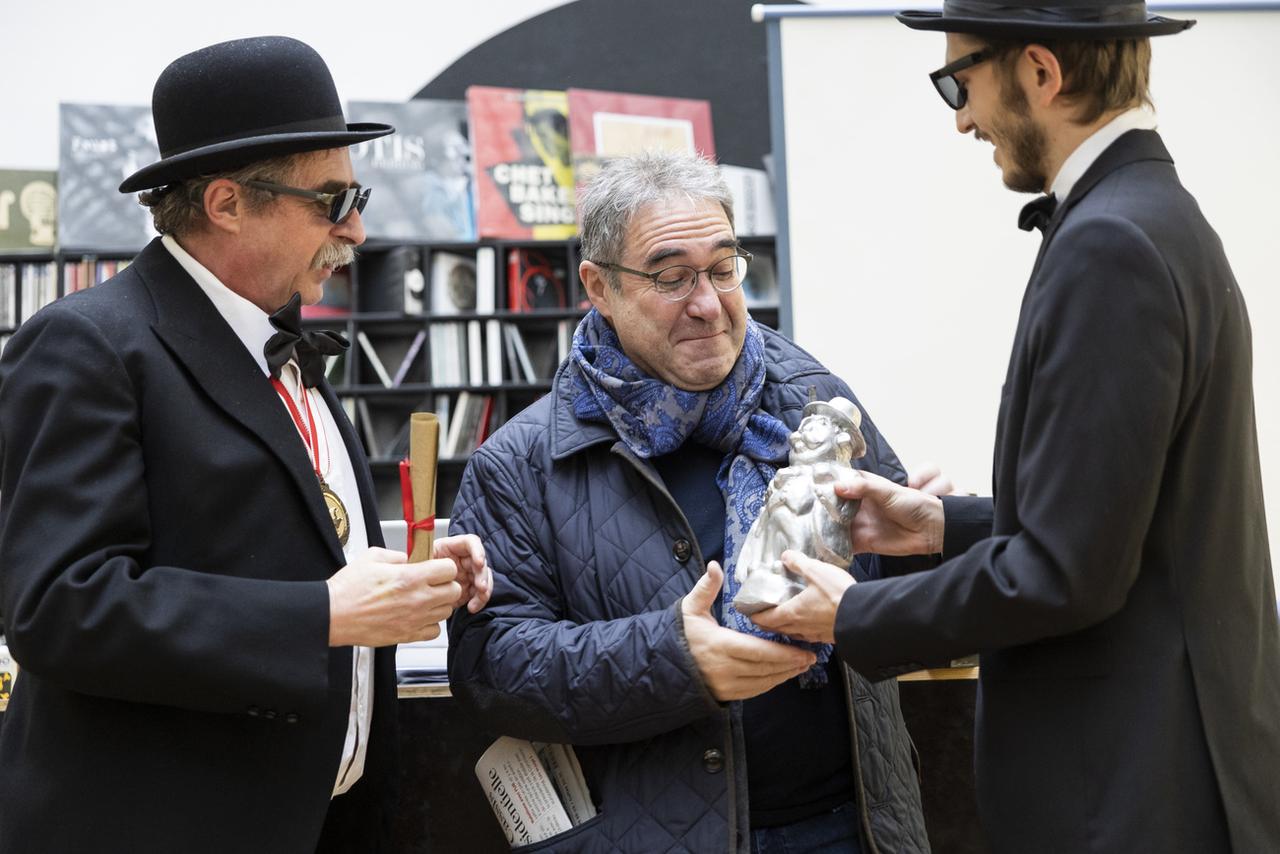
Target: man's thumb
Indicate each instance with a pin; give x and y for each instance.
(797, 562)
(704, 593)
(865, 485)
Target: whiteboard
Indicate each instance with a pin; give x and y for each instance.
(906, 266)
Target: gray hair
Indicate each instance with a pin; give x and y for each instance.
(625, 185)
(178, 208)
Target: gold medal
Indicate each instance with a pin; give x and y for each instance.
(337, 512)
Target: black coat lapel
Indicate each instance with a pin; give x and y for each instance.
(197, 335)
(1131, 147)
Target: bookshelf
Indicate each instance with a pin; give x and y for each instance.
(29, 280)
(409, 354)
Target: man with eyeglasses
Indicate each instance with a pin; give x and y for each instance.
(190, 568)
(1119, 584)
(608, 508)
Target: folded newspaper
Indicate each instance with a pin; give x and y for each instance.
(536, 789)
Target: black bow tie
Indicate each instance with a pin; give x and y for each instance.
(310, 348)
(1037, 213)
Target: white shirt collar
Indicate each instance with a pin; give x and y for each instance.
(250, 323)
(1139, 118)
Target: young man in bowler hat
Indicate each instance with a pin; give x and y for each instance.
(1119, 584)
(190, 567)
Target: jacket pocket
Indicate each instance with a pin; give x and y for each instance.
(569, 840)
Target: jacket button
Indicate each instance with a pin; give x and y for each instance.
(713, 760)
(291, 718)
(252, 711)
(682, 550)
(269, 714)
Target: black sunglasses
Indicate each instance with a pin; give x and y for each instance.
(341, 203)
(951, 89)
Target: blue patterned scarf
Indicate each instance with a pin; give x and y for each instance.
(653, 419)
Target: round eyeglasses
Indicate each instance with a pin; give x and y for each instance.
(678, 282)
(340, 204)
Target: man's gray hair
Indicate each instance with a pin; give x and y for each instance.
(625, 185)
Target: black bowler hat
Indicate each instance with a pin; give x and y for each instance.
(229, 104)
(1058, 19)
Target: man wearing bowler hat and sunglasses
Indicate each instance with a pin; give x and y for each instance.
(1118, 585)
(190, 561)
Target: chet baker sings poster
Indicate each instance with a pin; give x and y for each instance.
(524, 170)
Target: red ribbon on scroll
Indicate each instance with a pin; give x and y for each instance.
(406, 501)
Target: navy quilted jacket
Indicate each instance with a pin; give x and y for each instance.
(582, 641)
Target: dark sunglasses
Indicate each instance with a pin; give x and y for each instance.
(951, 89)
(341, 203)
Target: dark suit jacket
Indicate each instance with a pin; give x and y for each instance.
(163, 550)
(1122, 596)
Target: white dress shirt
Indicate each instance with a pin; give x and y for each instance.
(1139, 118)
(252, 326)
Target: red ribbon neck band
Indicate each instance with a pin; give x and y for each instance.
(310, 437)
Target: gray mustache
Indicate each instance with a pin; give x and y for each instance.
(334, 255)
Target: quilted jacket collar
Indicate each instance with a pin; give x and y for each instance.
(568, 434)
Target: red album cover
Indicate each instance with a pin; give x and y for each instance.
(534, 282)
(612, 124)
(523, 169)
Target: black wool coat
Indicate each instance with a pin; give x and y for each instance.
(163, 552)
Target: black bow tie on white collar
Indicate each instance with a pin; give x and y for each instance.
(310, 348)
(1037, 213)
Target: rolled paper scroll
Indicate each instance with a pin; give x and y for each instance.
(424, 445)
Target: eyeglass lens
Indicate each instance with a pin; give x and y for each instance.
(951, 90)
(344, 201)
(675, 283)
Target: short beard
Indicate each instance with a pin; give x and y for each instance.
(333, 256)
(1024, 141)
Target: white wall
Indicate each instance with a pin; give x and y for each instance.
(89, 51)
(907, 265)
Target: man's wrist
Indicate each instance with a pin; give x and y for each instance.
(935, 527)
(335, 619)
